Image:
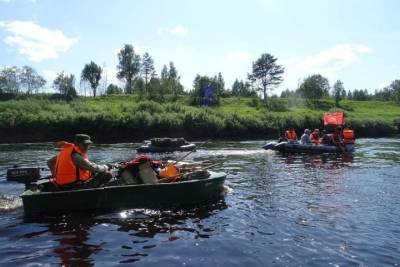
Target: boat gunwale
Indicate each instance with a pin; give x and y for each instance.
(214, 176)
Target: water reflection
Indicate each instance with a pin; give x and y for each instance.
(283, 210)
(78, 241)
(324, 161)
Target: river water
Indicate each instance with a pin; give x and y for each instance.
(279, 210)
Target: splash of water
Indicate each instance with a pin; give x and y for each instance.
(9, 203)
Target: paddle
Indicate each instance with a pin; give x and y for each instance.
(191, 151)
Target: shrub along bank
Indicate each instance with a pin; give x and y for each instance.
(127, 118)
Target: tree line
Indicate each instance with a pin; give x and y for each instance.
(316, 87)
(138, 75)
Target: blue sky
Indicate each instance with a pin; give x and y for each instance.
(355, 41)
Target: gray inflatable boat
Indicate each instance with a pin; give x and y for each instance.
(295, 147)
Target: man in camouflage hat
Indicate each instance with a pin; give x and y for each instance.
(71, 168)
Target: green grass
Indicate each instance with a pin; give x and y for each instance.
(128, 118)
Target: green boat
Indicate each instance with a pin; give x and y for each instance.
(149, 148)
(165, 145)
(120, 197)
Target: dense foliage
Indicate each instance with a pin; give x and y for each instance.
(127, 118)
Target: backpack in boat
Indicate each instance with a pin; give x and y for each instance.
(137, 170)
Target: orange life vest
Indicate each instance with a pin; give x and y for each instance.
(291, 135)
(348, 136)
(65, 170)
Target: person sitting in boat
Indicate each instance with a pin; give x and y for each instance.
(348, 135)
(305, 138)
(282, 138)
(291, 135)
(315, 137)
(336, 138)
(326, 139)
(71, 168)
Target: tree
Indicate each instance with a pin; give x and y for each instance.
(240, 88)
(30, 80)
(266, 74)
(338, 90)
(395, 87)
(199, 95)
(138, 85)
(65, 84)
(360, 95)
(113, 89)
(155, 91)
(174, 80)
(170, 80)
(147, 69)
(164, 73)
(314, 87)
(236, 87)
(128, 67)
(220, 84)
(9, 80)
(92, 73)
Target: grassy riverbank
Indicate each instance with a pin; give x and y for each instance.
(125, 118)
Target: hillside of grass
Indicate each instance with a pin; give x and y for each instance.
(126, 118)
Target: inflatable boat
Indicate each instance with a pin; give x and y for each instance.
(295, 147)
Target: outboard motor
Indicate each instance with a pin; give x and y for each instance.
(23, 175)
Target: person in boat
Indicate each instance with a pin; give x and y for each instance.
(291, 135)
(282, 138)
(336, 137)
(348, 135)
(326, 139)
(305, 138)
(314, 137)
(71, 168)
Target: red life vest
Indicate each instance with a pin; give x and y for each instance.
(348, 136)
(314, 138)
(291, 135)
(66, 172)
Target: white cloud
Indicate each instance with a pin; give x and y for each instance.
(36, 42)
(327, 63)
(237, 57)
(334, 59)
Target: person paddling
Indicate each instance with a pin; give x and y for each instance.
(71, 168)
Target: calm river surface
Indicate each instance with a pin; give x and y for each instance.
(279, 210)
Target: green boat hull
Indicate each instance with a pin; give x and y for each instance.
(124, 197)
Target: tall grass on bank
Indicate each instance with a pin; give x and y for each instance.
(126, 118)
